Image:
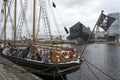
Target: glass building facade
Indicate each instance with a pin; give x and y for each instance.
(114, 30)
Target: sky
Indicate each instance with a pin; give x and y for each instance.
(69, 12)
(85, 11)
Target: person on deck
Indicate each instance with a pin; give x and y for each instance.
(19, 54)
(34, 57)
(44, 56)
(24, 54)
(38, 54)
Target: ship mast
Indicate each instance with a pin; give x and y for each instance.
(33, 35)
(15, 3)
(5, 1)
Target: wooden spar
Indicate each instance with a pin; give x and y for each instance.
(15, 3)
(83, 49)
(33, 35)
(51, 45)
(5, 1)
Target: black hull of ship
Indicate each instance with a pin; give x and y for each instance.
(44, 69)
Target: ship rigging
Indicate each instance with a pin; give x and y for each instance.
(36, 57)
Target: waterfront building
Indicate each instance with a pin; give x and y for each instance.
(54, 37)
(100, 35)
(79, 31)
(114, 30)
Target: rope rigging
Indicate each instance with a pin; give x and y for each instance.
(9, 5)
(40, 15)
(46, 21)
(1, 19)
(1, 13)
(54, 18)
(60, 17)
(11, 20)
(38, 28)
(22, 19)
(45, 18)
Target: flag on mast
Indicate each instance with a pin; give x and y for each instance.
(105, 21)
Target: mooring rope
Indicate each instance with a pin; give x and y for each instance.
(92, 71)
(99, 69)
(60, 73)
(68, 69)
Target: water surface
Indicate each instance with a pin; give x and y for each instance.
(104, 56)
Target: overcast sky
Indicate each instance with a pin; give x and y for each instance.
(85, 11)
(69, 12)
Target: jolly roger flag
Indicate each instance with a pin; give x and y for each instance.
(105, 21)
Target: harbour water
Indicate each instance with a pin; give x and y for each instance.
(106, 57)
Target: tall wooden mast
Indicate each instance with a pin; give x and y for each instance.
(15, 8)
(5, 1)
(33, 35)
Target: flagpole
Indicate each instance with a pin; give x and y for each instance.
(83, 49)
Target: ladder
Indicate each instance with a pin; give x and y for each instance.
(45, 18)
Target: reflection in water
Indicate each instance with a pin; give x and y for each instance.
(105, 56)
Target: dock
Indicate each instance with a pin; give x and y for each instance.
(106, 42)
(10, 71)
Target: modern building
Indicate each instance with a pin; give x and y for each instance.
(114, 30)
(79, 31)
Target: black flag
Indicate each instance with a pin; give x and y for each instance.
(66, 30)
(105, 21)
(54, 5)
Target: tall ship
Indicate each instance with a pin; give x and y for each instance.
(36, 57)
